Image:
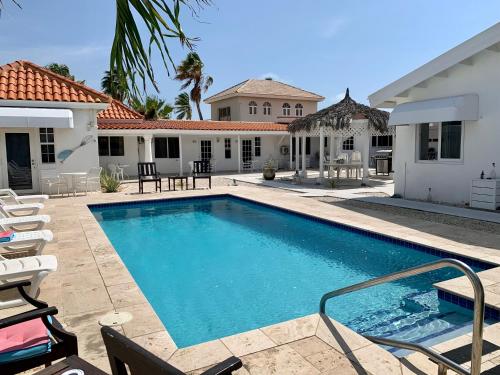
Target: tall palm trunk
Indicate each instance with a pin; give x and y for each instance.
(200, 116)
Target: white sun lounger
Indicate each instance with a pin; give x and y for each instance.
(12, 195)
(23, 223)
(20, 209)
(33, 268)
(33, 241)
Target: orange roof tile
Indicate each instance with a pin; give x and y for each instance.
(104, 124)
(119, 111)
(23, 80)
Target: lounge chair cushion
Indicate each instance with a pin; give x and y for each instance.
(24, 340)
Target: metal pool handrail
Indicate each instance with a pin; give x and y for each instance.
(477, 328)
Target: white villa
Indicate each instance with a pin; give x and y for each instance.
(446, 114)
(51, 125)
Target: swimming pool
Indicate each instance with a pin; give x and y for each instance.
(217, 266)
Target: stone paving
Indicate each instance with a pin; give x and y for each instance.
(92, 281)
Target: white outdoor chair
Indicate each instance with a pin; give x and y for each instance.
(11, 195)
(90, 182)
(23, 223)
(356, 162)
(339, 168)
(33, 268)
(116, 172)
(20, 209)
(51, 179)
(32, 241)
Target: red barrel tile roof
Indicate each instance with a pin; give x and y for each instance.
(23, 80)
(119, 111)
(104, 124)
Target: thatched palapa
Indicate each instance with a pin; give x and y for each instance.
(339, 116)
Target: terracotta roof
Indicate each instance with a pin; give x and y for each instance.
(190, 125)
(119, 111)
(264, 87)
(23, 80)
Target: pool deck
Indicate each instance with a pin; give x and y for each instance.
(92, 281)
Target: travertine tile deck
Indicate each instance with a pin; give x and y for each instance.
(92, 281)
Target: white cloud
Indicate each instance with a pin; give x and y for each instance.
(333, 27)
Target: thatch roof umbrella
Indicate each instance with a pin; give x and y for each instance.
(339, 116)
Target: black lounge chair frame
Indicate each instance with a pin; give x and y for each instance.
(202, 170)
(64, 344)
(123, 353)
(146, 172)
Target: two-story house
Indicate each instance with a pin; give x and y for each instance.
(262, 100)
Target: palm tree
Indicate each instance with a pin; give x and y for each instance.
(183, 106)
(62, 70)
(152, 108)
(115, 86)
(191, 72)
(129, 56)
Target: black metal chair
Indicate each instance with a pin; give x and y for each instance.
(202, 170)
(147, 172)
(123, 353)
(63, 343)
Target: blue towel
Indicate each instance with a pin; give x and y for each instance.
(7, 238)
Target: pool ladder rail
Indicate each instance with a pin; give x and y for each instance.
(477, 328)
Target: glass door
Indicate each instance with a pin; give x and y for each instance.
(246, 150)
(206, 150)
(19, 161)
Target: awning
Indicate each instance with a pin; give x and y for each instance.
(15, 117)
(452, 108)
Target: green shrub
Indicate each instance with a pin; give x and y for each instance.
(109, 184)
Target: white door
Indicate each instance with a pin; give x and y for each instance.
(18, 160)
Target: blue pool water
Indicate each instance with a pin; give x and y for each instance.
(214, 267)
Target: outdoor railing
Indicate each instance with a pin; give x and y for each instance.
(477, 327)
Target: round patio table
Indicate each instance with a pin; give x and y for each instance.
(73, 176)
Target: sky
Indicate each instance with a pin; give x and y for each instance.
(323, 46)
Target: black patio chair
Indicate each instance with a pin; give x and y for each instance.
(62, 343)
(147, 172)
(202, 170)
(123, 353)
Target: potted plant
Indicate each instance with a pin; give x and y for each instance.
(268, 171)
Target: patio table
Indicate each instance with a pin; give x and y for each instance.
(181, 178)
(73, 176)
(339, 166)
(71, 363)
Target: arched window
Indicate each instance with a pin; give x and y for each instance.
(267, 108)
(286, 109)
(298, 110)
(252, 108)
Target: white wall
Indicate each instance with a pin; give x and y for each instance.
(240, 111)
(450, 181)
(191, 151)
(81, 160)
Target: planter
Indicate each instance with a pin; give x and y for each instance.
(268, 173)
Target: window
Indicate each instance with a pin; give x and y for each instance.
(103, 146)
(47, 145)
(440, 141)
(298, 110)
(166, 148)
(286, 109)
(267, 108)
(348, 144)
(257, 146)
(227, 148)
(252, 108)
(382, 140)
(111, 146)
(225, 114)
(451, 139)
(308, 146)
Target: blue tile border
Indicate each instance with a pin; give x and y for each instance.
(489, 312)
(478, 264)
